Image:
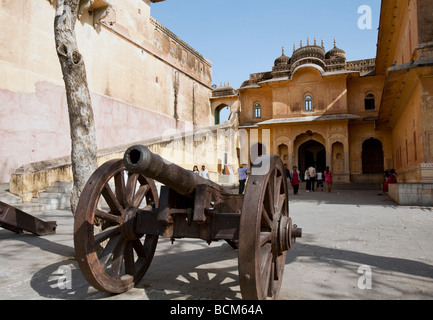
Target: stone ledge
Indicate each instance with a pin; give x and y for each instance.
(412, 194)
(31, 179)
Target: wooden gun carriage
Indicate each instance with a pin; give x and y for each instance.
(120, 217)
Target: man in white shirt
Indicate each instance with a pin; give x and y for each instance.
(312, 172)
(204, 173)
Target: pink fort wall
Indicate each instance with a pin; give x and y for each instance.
(35, 127)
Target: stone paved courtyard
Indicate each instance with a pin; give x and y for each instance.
(351, 239)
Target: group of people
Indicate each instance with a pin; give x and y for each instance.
(311, 177)
(203, 173)
(242, 171)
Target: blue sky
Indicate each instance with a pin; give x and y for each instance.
(241, 37)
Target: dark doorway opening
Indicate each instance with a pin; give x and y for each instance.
(312, 153)
(372, 157)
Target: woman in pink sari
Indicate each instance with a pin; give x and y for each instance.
(392, 178)
(295, 180)
(328, 179)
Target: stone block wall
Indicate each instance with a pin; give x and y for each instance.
(412, 194)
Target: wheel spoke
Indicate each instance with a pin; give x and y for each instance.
(107, 216)
(281, 201)
(110, 198)
(266, 219)
(129, 259)
(278, 261)
(265, 258)
(265, 270)
(119, 182)
(118, 255)
(140, 248)
(107, 253)
(106, 233)
(277, 191)
(140, 194)
(130, 188)
(271, 287)
(265, 237)
(151, 194)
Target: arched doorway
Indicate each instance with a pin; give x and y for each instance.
(312, 153)
(372, 157)
(222, 113)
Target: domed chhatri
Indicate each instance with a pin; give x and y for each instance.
(308, 51)
(282, 60)
(312, 55)
(224, 90)
(336, 53)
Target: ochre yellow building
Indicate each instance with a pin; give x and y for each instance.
(319, 109)
(357, 117)
(405, 59)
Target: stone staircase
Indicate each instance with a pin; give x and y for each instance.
(55, 197)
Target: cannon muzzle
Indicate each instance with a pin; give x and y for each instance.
(139, 159)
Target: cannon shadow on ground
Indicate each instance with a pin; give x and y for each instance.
(175, 273)
(211, 272)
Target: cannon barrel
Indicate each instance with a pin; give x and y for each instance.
(140, 160)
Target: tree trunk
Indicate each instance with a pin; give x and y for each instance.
(81, 120)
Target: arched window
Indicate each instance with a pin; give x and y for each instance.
(370, 102)
(308, 102)
(173, 48)
(257, 111)
(283, 152)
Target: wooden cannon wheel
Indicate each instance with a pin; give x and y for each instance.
(111, 256)
(264, 231)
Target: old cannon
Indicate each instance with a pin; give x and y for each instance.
(120, 217)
